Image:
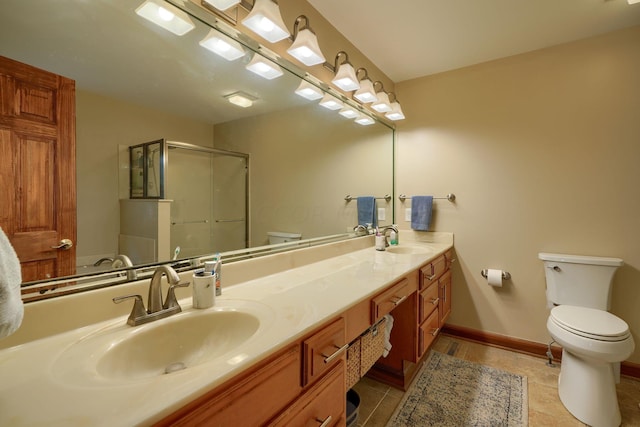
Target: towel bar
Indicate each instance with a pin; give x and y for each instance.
(450, 197)
(349, 197)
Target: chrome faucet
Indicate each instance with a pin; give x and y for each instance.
(155, 308)
(386, 236)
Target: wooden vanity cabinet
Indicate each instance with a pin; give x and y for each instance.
(391, 298)
(322, 350)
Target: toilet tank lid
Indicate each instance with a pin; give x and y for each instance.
(283, 234)
(581, 259)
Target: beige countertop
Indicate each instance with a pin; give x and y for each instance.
(42, 384)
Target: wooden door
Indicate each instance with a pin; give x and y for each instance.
(37, 168)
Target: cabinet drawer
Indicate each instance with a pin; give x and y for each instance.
(392, 297)
(448, 258)
(444, 287)
(429, 299)
(323, 404)
(323, 349)
(428, 332)
(429, 273)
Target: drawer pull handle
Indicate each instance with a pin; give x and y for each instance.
(435, 331)
(328, 359)
(325, 422)
(435, 301)
(430, 278)
(397, 300)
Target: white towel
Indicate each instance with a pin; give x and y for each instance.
(387, 335)
(11, 307)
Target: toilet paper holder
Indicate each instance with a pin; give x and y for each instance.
(505, 274)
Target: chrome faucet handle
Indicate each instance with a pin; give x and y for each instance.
(137, 312)
(171, 300)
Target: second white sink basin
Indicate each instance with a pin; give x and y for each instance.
(408, 249)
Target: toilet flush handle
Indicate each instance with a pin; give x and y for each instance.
(555, 268)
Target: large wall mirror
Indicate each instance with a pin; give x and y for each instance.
(137, 83)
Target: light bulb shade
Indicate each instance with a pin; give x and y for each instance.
(266, 21)
(382, 105)
(366, 93)
(346, 78)
(166, 16)
(331, 102)
(222, 45)
(364, 120)
(264, 68)
(222, 4)
(395, 113)
(349, 112)
(309, 91)
(305, 48)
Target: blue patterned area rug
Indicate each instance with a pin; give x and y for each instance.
(451, 392)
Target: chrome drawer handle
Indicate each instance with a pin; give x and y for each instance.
(435, 301)
(398, 300)
(328, 359)
(326, 422)
(435, 331)
(430, 278)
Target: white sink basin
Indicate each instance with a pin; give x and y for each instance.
(121, 353)
(408, 249)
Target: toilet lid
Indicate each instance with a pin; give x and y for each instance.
(590, 323)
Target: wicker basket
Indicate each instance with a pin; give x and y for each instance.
(371, 346)
(353, 363)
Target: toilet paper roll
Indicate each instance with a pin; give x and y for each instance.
(494, 277)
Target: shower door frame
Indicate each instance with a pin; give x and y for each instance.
(210, 150)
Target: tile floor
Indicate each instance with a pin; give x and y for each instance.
(378, 401)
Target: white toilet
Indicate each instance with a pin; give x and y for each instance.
(593, 341)
(276, 237)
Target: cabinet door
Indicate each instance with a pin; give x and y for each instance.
(323, 404)
(323, 350)
(444, 284)
(428, 332)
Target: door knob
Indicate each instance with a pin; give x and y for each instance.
(65, 244)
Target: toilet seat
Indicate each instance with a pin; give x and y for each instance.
(590, 323)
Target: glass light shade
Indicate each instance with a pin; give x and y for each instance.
(166, 16)
(633, 1)
(331, 103)
(382, 105)
(264, 68)
(222, 4)
(266, 21)
(364, 120)
(366, 93)
(240, 100)
(222, 45)
(346, 78)
(305, 48)
(309, 91)
(395, 113)
(349, 112)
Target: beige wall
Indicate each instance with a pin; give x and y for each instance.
(103, 126)
(542, 151)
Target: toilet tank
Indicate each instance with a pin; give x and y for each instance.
(276, 237)
(584, 281)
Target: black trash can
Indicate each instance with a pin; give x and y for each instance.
(353, 404)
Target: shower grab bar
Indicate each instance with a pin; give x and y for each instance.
(349, 197)
(202, 221)
(230, 220)
(450, 197)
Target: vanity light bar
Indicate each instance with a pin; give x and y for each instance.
(166, 16)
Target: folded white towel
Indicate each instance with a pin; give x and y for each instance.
(11, 307)
(387, 335)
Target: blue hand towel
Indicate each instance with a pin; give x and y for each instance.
(367, 211)
(421, 212)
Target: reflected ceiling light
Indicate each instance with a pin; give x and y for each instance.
(366, 94)
(222, 45)
(331, 102)
(349, 112)
(222, 4)
(241, 99)
(264, 67)
(396, 111)
(364, 120)
(266, 21)
(345, 77)
(633, 1)
(309, 91)
(166, 15)
(382, 105)
(305, 46)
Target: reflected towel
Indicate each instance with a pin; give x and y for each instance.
(421, 212)
(367, 211)
(11, 307)
(387, 335)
